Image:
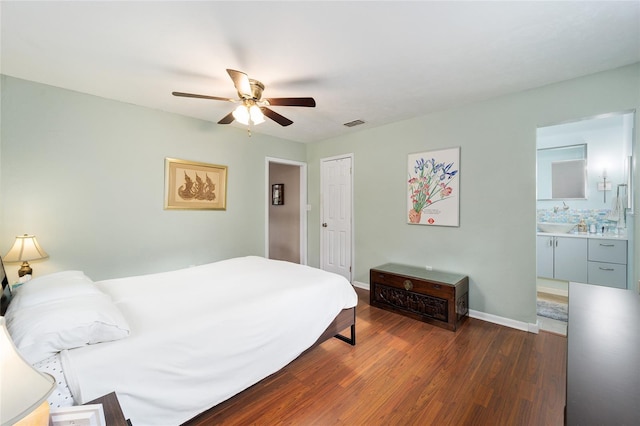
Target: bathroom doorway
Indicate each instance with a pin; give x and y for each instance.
(584, 197)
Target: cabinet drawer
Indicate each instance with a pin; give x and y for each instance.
(607, 274)
(611, 251)
(414, 285)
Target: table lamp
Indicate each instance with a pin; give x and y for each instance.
(23, 389)
(24, 249)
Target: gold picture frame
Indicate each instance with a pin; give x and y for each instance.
(190, 185)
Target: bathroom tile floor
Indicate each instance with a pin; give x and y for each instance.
(548, 324)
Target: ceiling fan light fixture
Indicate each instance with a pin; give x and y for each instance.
(241, 115)
(256, 114)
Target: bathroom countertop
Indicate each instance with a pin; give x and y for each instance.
(605, 236)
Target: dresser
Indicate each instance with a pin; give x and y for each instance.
(436, 297)
(603, 356)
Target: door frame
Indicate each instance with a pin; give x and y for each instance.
(352, 272)
(302, 166)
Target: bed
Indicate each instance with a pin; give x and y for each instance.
(174, 344)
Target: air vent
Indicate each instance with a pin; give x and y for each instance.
(354, 123)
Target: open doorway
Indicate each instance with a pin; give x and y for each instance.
(583, 233)
(286, 207)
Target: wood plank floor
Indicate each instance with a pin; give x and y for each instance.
(405, 372)
(552, 297)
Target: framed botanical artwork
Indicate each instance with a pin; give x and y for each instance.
(277, 194)
(434, 188)
(197, 186)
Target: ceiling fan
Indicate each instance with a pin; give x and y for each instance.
(253, 107)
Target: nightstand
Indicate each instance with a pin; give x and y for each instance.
(112, 411)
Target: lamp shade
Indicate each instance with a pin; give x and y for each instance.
(22, 388)
(25, 248)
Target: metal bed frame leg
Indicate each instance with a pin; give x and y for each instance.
(350, 340)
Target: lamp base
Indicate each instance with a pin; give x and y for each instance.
(38, 417)
(25, 269)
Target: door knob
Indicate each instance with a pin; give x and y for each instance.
(324, 225)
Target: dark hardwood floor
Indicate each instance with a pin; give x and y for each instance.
(405, 372)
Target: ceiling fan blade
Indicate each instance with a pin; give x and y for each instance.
(241, 81)
(303, 102)
(192, 95)
(227, 119)
(281, 120)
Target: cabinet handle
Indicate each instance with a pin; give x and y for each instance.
(556, 242)
(607, 245)
(408, 285)
(605, 269)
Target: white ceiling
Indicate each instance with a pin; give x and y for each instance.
(380, 62)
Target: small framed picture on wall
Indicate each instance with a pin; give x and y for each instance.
(277, 194)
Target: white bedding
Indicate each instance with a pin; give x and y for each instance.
(200, 335)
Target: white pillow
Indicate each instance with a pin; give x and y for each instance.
(56, 286)
(44, 329)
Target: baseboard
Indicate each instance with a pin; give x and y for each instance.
(507, 322)
(519, 325)
(361, 285)
(551, 290)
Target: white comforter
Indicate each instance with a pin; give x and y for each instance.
(202, 334)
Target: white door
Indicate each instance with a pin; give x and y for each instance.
(336, 207)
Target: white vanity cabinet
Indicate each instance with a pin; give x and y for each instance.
(607, 264)
(561, 258)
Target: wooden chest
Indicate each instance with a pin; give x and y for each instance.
(439, 298)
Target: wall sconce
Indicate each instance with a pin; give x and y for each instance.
(604, 186)
(24, 389)
(24, 249)
(277, 194)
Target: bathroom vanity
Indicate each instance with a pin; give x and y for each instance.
(599, 259)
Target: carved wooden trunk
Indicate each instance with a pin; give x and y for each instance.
(439, 298)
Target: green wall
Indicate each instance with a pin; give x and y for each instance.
(86, 176)
(495, 242)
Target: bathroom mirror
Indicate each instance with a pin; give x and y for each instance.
(562, 173)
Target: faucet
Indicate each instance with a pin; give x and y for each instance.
(564, 207)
